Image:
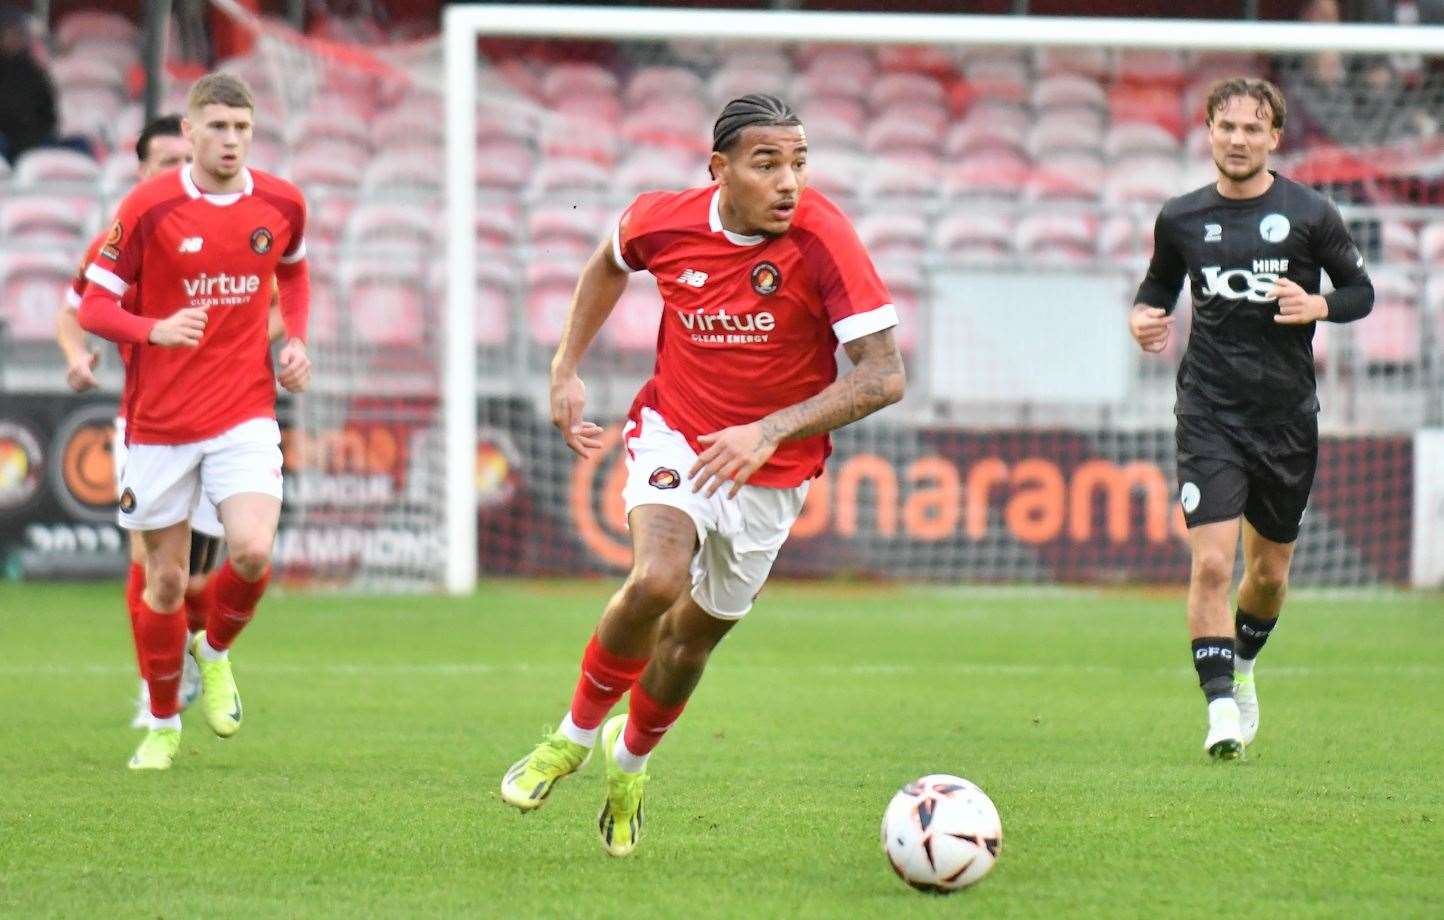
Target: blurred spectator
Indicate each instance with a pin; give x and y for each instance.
(27, 102)
(1351, 99)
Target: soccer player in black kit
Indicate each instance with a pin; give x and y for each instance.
(1252, 245)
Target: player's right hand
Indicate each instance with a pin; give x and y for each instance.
(81, 372)
(182, 328)
(569, 397)
(1150, 327)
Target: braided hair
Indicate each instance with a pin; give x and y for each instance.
(750, 111)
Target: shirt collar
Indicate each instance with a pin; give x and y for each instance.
(714, 219)
(194, 191)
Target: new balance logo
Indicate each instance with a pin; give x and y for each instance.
(191, 244)
(1212, 233)
(692, 278)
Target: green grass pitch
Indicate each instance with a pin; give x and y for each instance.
(364, 780)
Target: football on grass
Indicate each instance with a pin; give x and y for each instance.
(941, 833)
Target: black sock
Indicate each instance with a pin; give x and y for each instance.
(1213, 660)
(1251, 633)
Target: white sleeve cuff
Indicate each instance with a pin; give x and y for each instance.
(106, 279)
(72, 299)
(296, 256)
(860, 324)
(617, 248)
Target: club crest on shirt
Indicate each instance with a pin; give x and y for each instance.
(664, 478)
(766, 278)
(261, 240)
(127, 501)
(111, 247)
(1274, 228)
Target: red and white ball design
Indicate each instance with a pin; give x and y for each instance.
(941, 833)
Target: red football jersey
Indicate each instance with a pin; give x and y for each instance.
(181, 248)
(72, 297)
(749, 324)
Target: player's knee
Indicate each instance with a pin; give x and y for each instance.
(683, 653)
(652, 588)
(1212, 569)
(1269, 578)
(166, 583)
(250, 557)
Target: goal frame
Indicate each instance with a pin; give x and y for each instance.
(463, 25)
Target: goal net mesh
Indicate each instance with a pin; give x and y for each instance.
(1008, 198)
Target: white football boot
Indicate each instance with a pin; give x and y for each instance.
(1225, 735)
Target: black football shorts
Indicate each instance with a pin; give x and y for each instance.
(1264, 473)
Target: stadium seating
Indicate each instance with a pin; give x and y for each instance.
(977, 156)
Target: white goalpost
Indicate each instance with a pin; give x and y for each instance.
(909, 498)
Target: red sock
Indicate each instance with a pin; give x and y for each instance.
(160, 644)
(231, 602)
(197, 610)
(134, 588)
(605, 677)
(647, 721)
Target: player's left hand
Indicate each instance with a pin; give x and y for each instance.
(1298, 307)
(732, 454)
(295, 366)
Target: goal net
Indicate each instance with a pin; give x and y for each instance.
(1004, 173)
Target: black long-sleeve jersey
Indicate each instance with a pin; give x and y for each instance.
(1240, 366)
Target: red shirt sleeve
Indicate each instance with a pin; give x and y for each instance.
(115, 268)
(631, 226)
(853, 296)
(77, 283)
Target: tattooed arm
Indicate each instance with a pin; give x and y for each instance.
(876, 380)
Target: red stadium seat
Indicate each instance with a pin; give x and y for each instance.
(916, 175)
(1147, 182)
(732, 81)
(1151, 67)
(1126, 238)
(892, 88)
(48, 167)
(973, 232)
(561, 228)
(816, 85)
(387, 307)
(999, 78)
(579, 139)
(328, 165)
(678, 123)
(1056, 234)
(989, 175)
(893, 233)
(574, 79)
(1069, 90)
(82, 72)
(504, 164)
(836, 60)
(1065, 131)
(1000, 129)
(838, 174)
(1142, 102)
(38, 220)
(401, 171)
(324, 325)
(893, 133)
(118, 173)
(1067, 176)
(1391, 334)
(555, 175)
(1087, 62)
(1128, 139)
(495, 126)
(32, 292)
(649, 84)
(931, 60)
(549, 294)
(498, 225)
(334, 129)
(398, 234)
(632, 327)
(648, 171)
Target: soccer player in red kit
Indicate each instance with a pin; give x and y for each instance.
(760, 279)
(161, 147)
(201, 245)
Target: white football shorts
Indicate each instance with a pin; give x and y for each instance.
(738, 538)
(163, 484)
